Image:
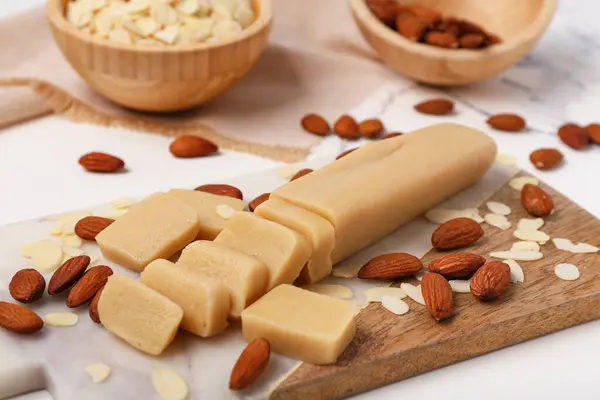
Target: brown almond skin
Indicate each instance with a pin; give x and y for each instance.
(101, 162)
(27, 285)
(390, 266)
(449, 25)
(384, 10)
(545, 159)
(441, 39)
(411, 27)
(258, 201)
(18, 319)
(536, 201)
(426, 14)
(593, 131)
(88, 228)
(392, 135)
(94, 315)
(457, 265)
(437, 294)
(574, 136)
(472, 41)
(192, 146)
(435, 107)
(370, 128)
(315, 124)
(67, 274)
(490, 281)
(221, 190)
(301, 173)
(456, 233)
(507, 122)
(344, 154)
(251, 364)
(346, 127)
(85, 289)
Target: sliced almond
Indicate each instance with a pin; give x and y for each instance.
(567, 272)
(497, 220)
(71, 251)
(498, 208)
(506, 159)
(337, 291)
(346, 271)
(531, 236)
(45, 255)
(169, 385)
(460, 286)
(72, 241)
(532, 224)
(517, 255)
(225, 211)
(563, 244)
(584, 248)
(61, 319)
(419, 275)
(525, 246)
(442, 215)
(188, 7)
(516, 272)
(395, 305)
(520, 181)
(287, 172)
(99, 372)
(414, 292)
(374, 295)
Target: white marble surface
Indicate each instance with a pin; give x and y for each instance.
(557, 83)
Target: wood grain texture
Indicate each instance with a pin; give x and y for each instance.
(519, 23)
(389, 348)
(161, 79)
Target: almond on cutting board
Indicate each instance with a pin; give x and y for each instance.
(67, 274)
(370, 128)
(315, 124)
(101, 162)
(85, 289)
(536, 201)
(301, 173)
(546, 158)
(258, 201)
(19, 319)
(88, 227)
(457, 265)
(221, 190)
(346, 127)
(189, 146)
(27, 285)
(593, 131)
(251, 364)
(437, 294)
(507, 122)
(456, 233)
(94, 306)
(390, 266)
(490, 281)
(435, 107)
(574, 136)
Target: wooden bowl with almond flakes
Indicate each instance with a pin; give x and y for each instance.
(519, 24)
(161, 79)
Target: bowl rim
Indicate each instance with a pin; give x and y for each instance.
(56, 16)
(362, 12)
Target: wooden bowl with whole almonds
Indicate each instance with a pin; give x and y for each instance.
(161, 78)
(519, 24)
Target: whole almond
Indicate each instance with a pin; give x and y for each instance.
(221, 190)
(370, 128)
(258, 201)
(435, 107)
(493, 39)
(441, 39)
(301, 173)
(457, 265)
(456, 233)
(88, 227)
(490, 281)
(67, 274)
(574, 136)
(384, 10)
(346, 127)
(472, 41)
(390, 266)
(449, 25)
(19, 319)
(507, 122)
(536, 201)
(94, 315)
(251, 364)
(546, 158)
(437, 294)
(344, 153)
(393, 135)
(426, 14)
(471, 27)
(27, 285)
(101, 162)
(411, 27)
(85, 289)
(315, 124)
(192, 146)
(593, 131)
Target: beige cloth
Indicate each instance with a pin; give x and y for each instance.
(316, 61)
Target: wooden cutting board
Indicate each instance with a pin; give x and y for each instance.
(389, 348)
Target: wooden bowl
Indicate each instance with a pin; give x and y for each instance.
(520, 24)
(161, 79)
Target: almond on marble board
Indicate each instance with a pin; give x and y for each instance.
(490, 281)
(574, 136)
(546, 158)
(88, 228)
(536, 201)
(27, 285)
(221, 190)
(315, 124)
(251, 364)
(67, 274)
(258, 201)
(370, 128)
(101, 162)
(472, 41)
(456, 233)
(346, 127)
(390, 266)
(593, 131)
(18, 319)
(411, 27)
(435, 107)
(94, 315)
(437, 294)
(344, 153)
(507, 122)
(441, 39)
(189, 146)
(85, 289)
(301, 173)
(384, 10)
(457, 265)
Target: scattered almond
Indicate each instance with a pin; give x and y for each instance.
(498, 208)
(19, 319)
(437, 294)
(61, 319)
(520, 255)
(192, 146)
(546, 158)
(345, 153)
(525, 246)
(370, 128)
(99, 372)
(536, 201)
(520, 181)
(580, 248)
(507, 122)
(567, 272)
(593, 131)
(258, 201)
(490, 281)
(457, 265)
(315, 124)
(169, 385)
(530, 223)
(67, 274)
(45, 255)
(251, 364)
(460, 286)
(89, 227)
(301, 173)
(414, 292)
(574, 136)
(101, 162)
(497, 220)
(222, 190)
(395, 305)
(531, 235)
(435, 107)
(94, 316)
(442, 39)
(346, 127)
(85, 289)
(377, 294)
(516, 272)
(390, 266)
(27, 285)
(456, 233)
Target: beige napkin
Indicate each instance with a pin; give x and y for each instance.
(316, 61)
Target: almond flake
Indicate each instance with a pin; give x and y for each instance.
(518, 255)
(532, 224)
(225, 28)
(94, 256)
(222, 11)
(188, 7)
(120, 35)
(506, 159)
(497, 220)
(346, 271)
(567, 272)
(498, 208)
(72, 241)
(563, 244)
(337, 291)
(80, 13)
(460, 285)
(531, 236)
(169, 385)
(162, 13)
(225, 211)
(441, 215)
(137, 6)
(525, 246)
(414, 292)
(584, 248)
(132, 27)
(395, 305)
(45, 255)
(61, 319)
(168, 35)
(376, 294)
(147, 26)
(516, 272)
(520, 181)
(419, 275)
(287, 172)
(71, 251)
(99, 372)
(102, 23)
